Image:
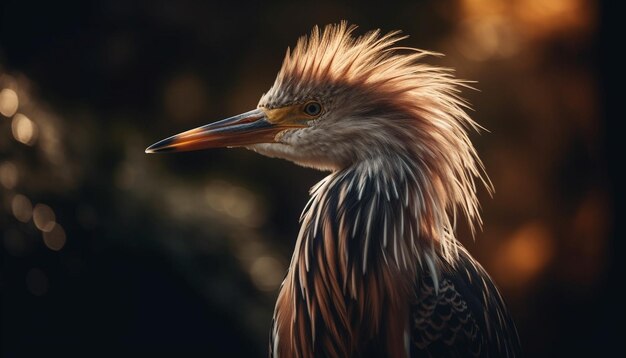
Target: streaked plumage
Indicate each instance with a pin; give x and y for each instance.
(376, 269)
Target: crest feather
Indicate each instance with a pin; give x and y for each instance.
(430, 95)
(389, 209)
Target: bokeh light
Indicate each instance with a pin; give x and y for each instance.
(236, 202)
(8, 102)
(22, 208)
(267, 273)
(44, 218)
(524, 256)
(493, 29)
(8, 175)
(55, 238)
(24, 130)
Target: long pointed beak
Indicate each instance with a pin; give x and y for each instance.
(248, 128)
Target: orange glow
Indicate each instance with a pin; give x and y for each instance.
(8, 102)
(486, 30)
(524, 255)
(480, 40)
(541, 18)
(493, 28)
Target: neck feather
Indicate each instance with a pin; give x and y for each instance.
(366, 233)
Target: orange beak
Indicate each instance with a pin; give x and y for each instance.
(248, 128)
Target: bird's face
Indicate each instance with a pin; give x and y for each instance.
(332, 105)
(339, 100)
(327, 132)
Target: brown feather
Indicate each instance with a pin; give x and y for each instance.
(387, 212)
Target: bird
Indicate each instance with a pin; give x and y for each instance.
(377, 269)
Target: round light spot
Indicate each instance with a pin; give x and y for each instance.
(24, 130)
(55, 238)
(22, 208)
(8, 102)
(266, 273)
(524, 255)
(8, 175)
(44, 217)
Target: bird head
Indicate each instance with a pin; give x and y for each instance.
(340, 99)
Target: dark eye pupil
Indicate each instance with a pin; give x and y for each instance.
(313, 109)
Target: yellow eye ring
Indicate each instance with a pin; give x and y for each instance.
(312, 108)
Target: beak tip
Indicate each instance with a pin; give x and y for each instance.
(152, 149)
(161, 146)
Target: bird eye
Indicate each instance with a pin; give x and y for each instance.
(313, 109)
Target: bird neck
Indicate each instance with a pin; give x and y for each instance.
(361, 245)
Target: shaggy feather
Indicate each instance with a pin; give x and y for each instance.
(393, 133)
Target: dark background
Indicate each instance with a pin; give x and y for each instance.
(106, 250)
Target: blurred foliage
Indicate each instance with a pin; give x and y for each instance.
(106, 249)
